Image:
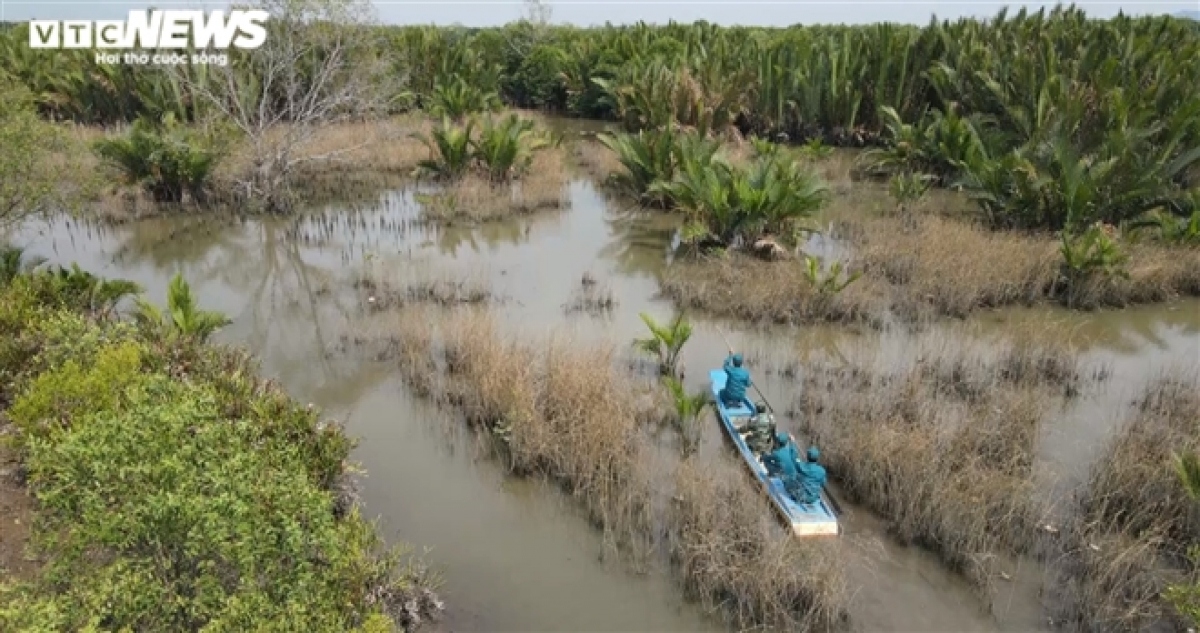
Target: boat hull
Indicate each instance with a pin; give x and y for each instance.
(805, 519)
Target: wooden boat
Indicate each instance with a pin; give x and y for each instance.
(805, 519)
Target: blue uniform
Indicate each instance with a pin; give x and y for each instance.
(802, 480)
(737, 380)
(812, 481)
(781, 462)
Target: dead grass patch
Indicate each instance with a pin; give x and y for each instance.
(920, 267)
(474, 200)
(595, 159)
(732, 553)
(567, 412)
(1135, 521)
(556, 409)
(942, 447)
(383, 295)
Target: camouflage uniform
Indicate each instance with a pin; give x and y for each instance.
(762, 429)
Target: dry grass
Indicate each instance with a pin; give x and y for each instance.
(943, 446)
(595, 159)
(474, 200)
(557, 411)
(920, 267)
(566, 412)
(1135, 520)
(734, 554)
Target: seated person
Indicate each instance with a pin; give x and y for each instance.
(781, 462)
(802, 481)
(737, 380)
(761, 429)
(812, 477)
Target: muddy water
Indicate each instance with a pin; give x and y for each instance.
(516, 555)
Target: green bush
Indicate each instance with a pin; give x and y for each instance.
(166, 159)
(177, 491)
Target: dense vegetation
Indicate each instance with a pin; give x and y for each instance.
(1050, 120)
(174, 490)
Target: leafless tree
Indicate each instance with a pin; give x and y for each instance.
(538, 12)
(317, 67)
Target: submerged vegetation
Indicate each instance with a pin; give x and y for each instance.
(212, 499)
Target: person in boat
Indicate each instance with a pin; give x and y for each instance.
(737, 380)
(761, 429)
(802, 481)
(781, 462)
(812, 476)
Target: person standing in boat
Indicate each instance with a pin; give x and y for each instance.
(737, 380)
(761, 429)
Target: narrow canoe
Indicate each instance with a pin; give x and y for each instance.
(806, 519)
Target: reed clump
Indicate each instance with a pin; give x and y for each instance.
(1135, 522)
(732, 552)
(555, 409)
(474, 199)
(924, 267)
(942, 447)
(569, 413)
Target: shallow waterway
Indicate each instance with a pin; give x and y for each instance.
(516, 554)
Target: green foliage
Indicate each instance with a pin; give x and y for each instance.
(737, 206)
(1185, 597)
(828, 282)
(651, 157)
(1184, 231)
(907, 188)
(166, 159)
(456, 98)
(28, 180)
(13, 262)
(200, 527)
(450, 152)
(666, 341)
(688, 408)
(70, 390)
(182, 317)
(168, 504)
(1094, 253)
(505, 149)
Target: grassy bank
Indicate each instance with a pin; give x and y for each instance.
(570, 414)
(169, 488)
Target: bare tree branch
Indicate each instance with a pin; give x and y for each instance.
(318, 67)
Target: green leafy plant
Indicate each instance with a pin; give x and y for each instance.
(165, 158)
(830, 282)
(13, 262)
(182, 317)
(1093, 252)
(737, 206)
(456, 98)
(666, 341)
(1186, 597)
(688, 408)
(505, 149)
(450, 153)
(907, 189)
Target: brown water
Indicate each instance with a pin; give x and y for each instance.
(516, 555)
